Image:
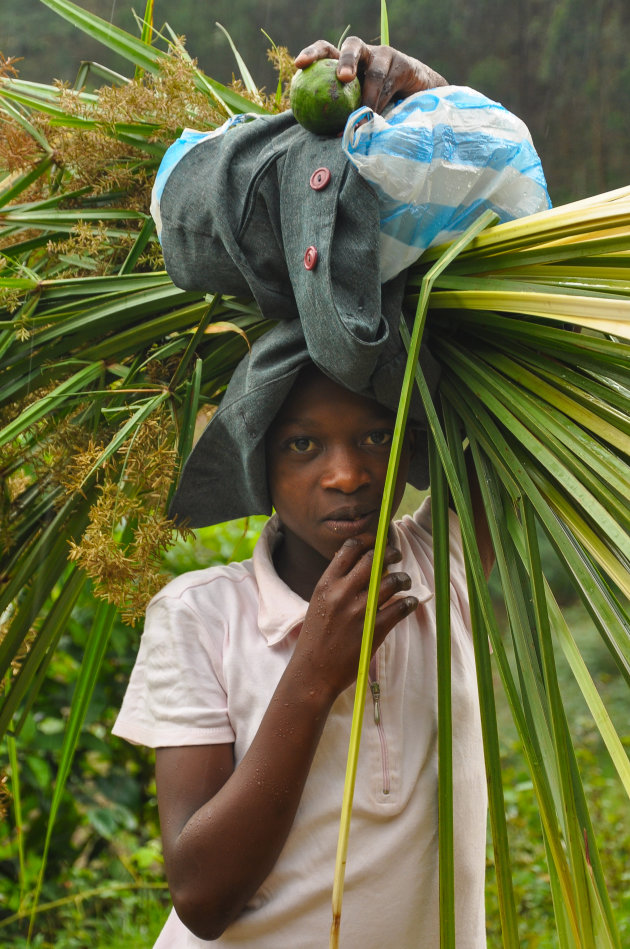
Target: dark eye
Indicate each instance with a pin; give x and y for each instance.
(301, 444)
(379, 438)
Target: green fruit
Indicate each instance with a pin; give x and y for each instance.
(320, 102)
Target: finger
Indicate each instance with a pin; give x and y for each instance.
(352, 590)
(392, 584)
(320, 49)
(378, 80)
(353, 52)
(354, 559)
(390, 615)
(392, 555)
(349, 555)
(358, 575)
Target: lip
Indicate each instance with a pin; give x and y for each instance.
(348, 522)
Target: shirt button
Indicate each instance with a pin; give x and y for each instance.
(320, 179)
(310, 258)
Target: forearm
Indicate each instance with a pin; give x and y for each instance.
(228, 847)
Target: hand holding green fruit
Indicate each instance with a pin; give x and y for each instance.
(384, 72)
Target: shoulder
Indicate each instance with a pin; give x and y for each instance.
(198, 590)
(419, 527)
(416, 531)
(196, 609)
(195, 612)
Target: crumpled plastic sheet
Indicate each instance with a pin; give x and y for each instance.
(437, 160)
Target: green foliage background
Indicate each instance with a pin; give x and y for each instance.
(104, 885)
(561, 65)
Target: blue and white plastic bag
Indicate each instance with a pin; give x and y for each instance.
(437, 160)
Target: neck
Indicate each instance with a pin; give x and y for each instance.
(298, 564)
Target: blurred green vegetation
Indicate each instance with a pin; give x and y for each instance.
(104, 878)
(607, 801)
(105, 887)
(561, 65)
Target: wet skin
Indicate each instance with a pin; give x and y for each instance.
(327, 456)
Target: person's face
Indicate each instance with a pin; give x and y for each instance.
(327, 455)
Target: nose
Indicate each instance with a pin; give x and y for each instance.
(344, 471)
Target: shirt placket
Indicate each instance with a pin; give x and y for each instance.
(375, 689)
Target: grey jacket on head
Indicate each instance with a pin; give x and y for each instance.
(271, 210)
(225, 476)
(246, 213)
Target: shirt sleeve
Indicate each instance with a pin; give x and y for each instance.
(176, 695)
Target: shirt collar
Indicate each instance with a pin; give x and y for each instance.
(281, 610)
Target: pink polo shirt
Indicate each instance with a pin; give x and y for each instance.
(215, 645)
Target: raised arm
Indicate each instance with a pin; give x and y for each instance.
(223, 828)
(384, 72)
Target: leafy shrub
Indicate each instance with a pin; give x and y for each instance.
(104, 878)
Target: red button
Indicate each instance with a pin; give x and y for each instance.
(320, 179)
(310, 258)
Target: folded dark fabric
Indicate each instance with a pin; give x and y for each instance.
(270, 210)
(225, 475)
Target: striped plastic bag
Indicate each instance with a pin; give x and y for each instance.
(437, 160)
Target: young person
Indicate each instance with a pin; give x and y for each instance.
(244, 684)
(244, 681)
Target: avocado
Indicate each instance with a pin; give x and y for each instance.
(321, 102)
